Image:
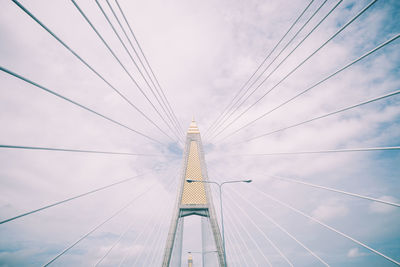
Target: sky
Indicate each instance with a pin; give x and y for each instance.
(202, 53)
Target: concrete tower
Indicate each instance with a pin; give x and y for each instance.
(193, 199)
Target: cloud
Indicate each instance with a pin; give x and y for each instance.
(327, 212)
(354, 253)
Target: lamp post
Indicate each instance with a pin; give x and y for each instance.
(220, 201)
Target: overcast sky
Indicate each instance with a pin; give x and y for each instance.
(202, 53)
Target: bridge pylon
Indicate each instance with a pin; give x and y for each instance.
(193, 199)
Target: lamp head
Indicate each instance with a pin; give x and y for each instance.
(189, 181)
(247, 181)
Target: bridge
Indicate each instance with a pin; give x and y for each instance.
(292, 157)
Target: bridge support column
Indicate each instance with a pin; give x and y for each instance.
(193, 199)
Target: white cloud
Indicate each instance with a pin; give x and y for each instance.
(354, 253)
(327, 212)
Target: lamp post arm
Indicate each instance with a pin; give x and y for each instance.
(237, 181)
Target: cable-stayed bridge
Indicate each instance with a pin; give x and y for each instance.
(294, 160)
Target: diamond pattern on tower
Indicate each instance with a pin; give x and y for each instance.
(193, 193)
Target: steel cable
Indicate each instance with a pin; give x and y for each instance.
(326, 226)
(317, 83)
(148, 64)
(233, 110)
(145, 69)
(368, 149)
(325, 115)
(77, 104)
(80, 59)
(99, 225)
(280, 227)
(134, 62)
(79, 151)
(258, 68)
(299, 65)
(71, 198)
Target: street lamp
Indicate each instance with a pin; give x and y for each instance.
(220, 201)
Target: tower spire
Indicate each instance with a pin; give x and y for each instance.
(193, 129)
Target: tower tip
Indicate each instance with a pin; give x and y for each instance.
(193, 127)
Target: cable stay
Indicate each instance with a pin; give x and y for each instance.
(280, 227)
(73, 198)
(282, 50)
(325, 225)
(334, 190)
(82, 60)
(77, 104)
(317, 83)
(239, 234)
(99, 225)
(369, 149)
(80, 151)
(158, 244)
(325, 115)
(262, 232)
(234, 243)
(282, 61)
(156, 229)
(233, 253)
(150, 68)
(237, 250)
(148, 242)
(122, 235)
(143, 231)
(120, 63)
(134, 62)
(299, 65)
(161, 241)
(286, 57)
(162, 103)
(141, 73)
(222, 115)
(237, 219)
(163, 222)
